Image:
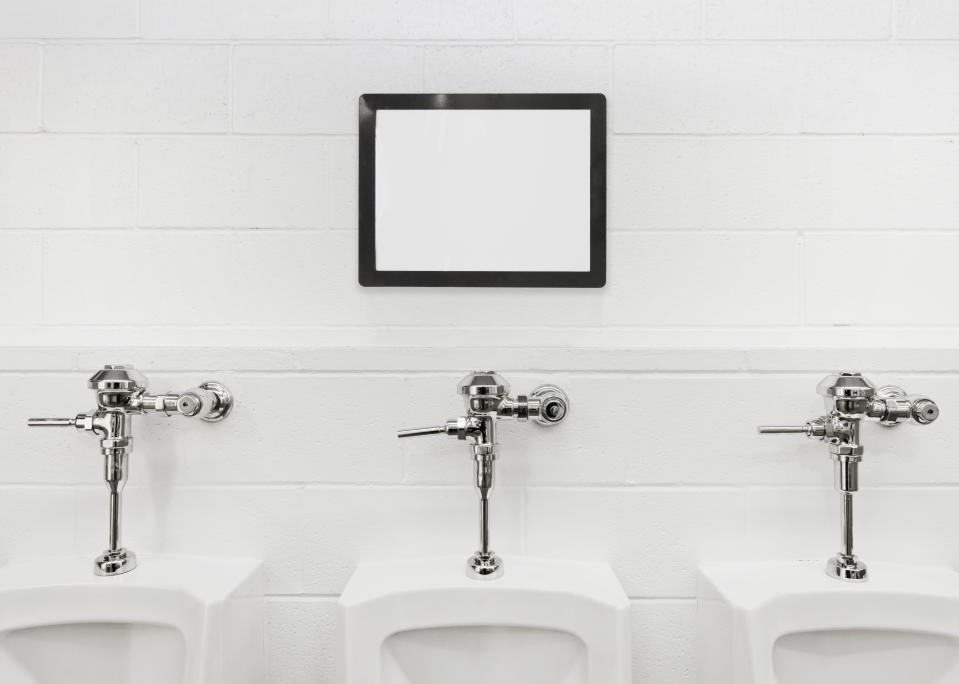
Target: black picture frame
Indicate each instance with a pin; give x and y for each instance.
(369, 276)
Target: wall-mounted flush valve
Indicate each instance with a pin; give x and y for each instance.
(850, 399)
(121, 394)
(487, 400)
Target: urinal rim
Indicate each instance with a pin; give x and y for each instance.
(67, 592)
(393, 603)
(899, 597)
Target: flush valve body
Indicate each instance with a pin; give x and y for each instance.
(121, 393)
(849, 400)
(487, 399)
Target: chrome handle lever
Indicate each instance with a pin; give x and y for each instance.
(51, 422)
(782, 429)
(420, 432)
(814, 429)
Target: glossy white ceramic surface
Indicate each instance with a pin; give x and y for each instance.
(174, 620)
(788, 623)
(423, 621)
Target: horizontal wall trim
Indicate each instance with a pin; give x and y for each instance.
(454, 350)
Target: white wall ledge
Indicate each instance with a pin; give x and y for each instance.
(441, 357)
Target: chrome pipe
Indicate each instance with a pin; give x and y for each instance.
(422, 432)
(847, 525)
(51, 422)
(782, 429)
(114, 544)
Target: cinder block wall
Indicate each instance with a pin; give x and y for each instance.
(178, 189)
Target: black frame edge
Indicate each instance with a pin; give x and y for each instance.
(368, 275)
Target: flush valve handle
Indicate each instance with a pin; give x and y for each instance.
(461, 428)
(814, 429)
(422, 432)
(51, 422)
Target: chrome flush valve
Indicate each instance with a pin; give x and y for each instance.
(850, 399)
(122, 393)
(487, 401)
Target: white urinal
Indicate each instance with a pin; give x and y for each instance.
(788, 623)
(543, 622)
(174, 620)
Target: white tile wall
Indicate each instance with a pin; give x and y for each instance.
(67, 181)
(833, 183)
(263, 182)
(785, 88)
(664, 634)
(313, 89)
(566, 68)
(782, 174)
(799, 19)
(926, 19)
(129, 88)
(421, 19)
(20, 271)
(929, 263)
(301, 637)
(249, 19)
(20, 86)
(608, 20)
(79, 19)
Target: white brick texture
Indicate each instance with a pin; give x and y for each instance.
(250, 182)
(20, 87)
(421, 19)
(67, 181)
(225, 19)
(798, 19)
(517, 69)
(786, 88)
(119, 88)
(926, 19)
(20, 278)
(822, 183)
(609, 19)
(314, 89)
(75, 19)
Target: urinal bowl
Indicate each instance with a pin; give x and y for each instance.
(543, 622)
(787, 623)
(173, 621)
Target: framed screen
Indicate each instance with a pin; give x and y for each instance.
(483, 190)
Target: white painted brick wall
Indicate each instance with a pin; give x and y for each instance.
(524, 68)
(133, 88)
(926, 20)
(20, 87)
(227, 19)
(421, 19)
(261, 182)
(75, 19)
(756, 148)
(67, 182)
(608, 20)
(786, 88)
(784, 182)
(313, 89)
(798, 19)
